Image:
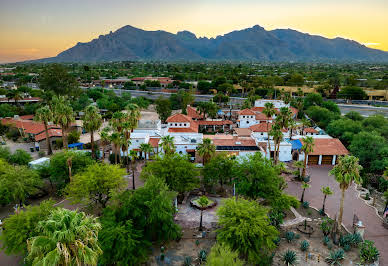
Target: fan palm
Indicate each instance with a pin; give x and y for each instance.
(305, 123)
(65, 238)
(117, 140)
(45, 115)
(63, 115)
(147, 149)
(277, 136)
(345, 173)
(308, 147)
(269, 111)
(292, 125)
(133, 155)
(206, 149)
(304, 186)
(327, 192)
(167, 144)
(92, 122)
(104, 135)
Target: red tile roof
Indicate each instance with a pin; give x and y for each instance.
(193, 113)
(31, 99)
(179, 118)
(53, 132)
(310, 130)
(328, 147)
(261, 116)
(154, 142)
(27, 117)
(227, 140)
(214, 123)
(243, 132)
(192, 129)
(262, 127)
(246, 112)
(28, 126)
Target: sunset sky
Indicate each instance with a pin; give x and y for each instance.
(31, 29)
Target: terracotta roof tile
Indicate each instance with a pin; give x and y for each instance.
(179, 118)
(328, 147)
(31, 127)
(310, 130)
(193, 113)
(154, 142)
(227, 140)
(262, 127)
(246, 112)
(53, 132)
(216, 123)
(243, 132)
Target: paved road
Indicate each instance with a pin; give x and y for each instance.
(353, 205)
(364, 110)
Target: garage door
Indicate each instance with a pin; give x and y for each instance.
(313, 159)
(327, 159)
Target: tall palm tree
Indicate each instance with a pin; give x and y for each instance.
(269, 111)
(117, 140)
(327, 192)
(305, 123)
(63, 115)
(116, 121)
(304, 186)
(284, 117)
(133, 155)
(167, 144)
(45, 115)
(308, 147)
(134, 114)
(206, 149)
(277, 136)
(345, 173)
(104, 139)
(126, 132)
(146, 148)
(299, 165)
(65, 238)
(299, 105)
(292, 125)
(92, 122)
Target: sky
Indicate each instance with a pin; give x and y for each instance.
(31, 29)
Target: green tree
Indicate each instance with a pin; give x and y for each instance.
(179, 174)
(96, 184)
(146, 148)
(19, 227)
(221, 254)
(308, 147)
(303, 186)
(312, 99)
(73, 136)
(206, 150)
(167, 144)
(92, 122)
(20, 157)
(220, 169)
(63, 116)
(65, 238)
(345, 173)
(56, 79)
(133, 155)
(352, 93)
(269, 111)
(344, 129)
(244, 226)
(45, 116)
(321, 115)
(163, 108)
(203, 201)
(326, 192)
(17, 183)
(354, 115)
(277, 137)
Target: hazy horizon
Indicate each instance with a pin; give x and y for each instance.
(43, 28)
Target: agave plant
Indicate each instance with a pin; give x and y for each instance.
(335, 257)
(187, 261)
(304, 245)
(290, 236)
(289, 258)
(202, 255)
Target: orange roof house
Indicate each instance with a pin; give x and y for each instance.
(246, 112)
(179, 120)
(328, 147)
(262, 127)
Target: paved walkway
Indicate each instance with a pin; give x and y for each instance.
(353, 205)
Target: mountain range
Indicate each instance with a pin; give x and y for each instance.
(252, 44)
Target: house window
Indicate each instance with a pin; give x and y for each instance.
(243, 116)
(184, 125)
(247, 122)
(261, 133)
(176, 124)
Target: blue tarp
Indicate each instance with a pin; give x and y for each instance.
(296, 144)
(78, 145)
(220, 112)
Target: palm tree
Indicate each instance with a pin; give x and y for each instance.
(203, 202)
(345, 172)
(116, 139)
(147, 149)
(305, 123)
(206, 149)
(299, 165)
(269, 111)
(92, 122)
(277, 136)
(167, 144)
(327, 192)
(63, 115)
(133, 155)
(292, 125)
(45, 115)
(284, 117)
(304, 186)
(308, 146)
(105, 140)
(126, 132)
(65, 238)
(134, 114)
(299, 105)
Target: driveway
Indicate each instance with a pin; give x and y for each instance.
(353, 205)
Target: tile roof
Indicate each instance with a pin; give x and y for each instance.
(262, 127)
(261, 116)
(193, 128)
(246, 112)
(310, 130)
(27, 117)
(215, 123)
(31, 127)
(243, 132)
(30, 99)
(154, 142)
(179, 118)
(193, 113)
(328, 147)
(53, 132)
(228, 140)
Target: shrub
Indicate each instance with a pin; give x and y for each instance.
(368, 252)
(59, 143)
(350, 240)
(297, 236)
(321, 212)
(290, 236)
(306, 204)
(73, 136)
(335, 257)
(276, 218)
(289, 257)
(20, 157)
(306, 179)
(326, 240)
(329, 245)
(346, 247)
(367, 196)
(5, 153)
(13, 133)
(304, 245)
(277, 241)
(187, 261)
(326, 226)
(41, 154)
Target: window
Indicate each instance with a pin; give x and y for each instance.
(176, 124)
(247, 122)
(184, 124)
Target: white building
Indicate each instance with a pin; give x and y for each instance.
(277, 103)
(246, 118)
